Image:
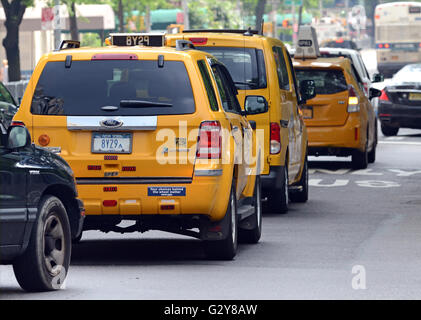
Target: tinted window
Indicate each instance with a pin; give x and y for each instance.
(208, 85)
(246, 65)
(229, 101)
(281, 68)
(327, 81)
(137, 87)
(5, 96)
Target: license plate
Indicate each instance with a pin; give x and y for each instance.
(307, 113)
(414, 96)
(111, 142)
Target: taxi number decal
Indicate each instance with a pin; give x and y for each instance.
(166, 191)
(138, 39)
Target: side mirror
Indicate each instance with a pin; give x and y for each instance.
(255, 105)
(307, 90)
(374, 93)
(378, 77)
(18, 137)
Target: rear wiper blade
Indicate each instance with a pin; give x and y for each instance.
(250, 84)
(143, 104)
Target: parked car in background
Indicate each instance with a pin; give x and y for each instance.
(8, 106)
(40, 213)
(339, 43)
(399, 105)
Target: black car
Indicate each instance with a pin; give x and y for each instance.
(8, 106)
(400, 103)
(40, 213)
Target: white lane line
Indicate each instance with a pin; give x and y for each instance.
(401, 142)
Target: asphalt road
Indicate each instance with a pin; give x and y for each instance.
(358, 237)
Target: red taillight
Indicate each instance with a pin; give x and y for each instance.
(380, 46)
(110, 189)
(167, 207)
(387, 46)
(199, 41)
(128, 169)
(109, 203)
(209, 144)
(110, 157)
(353, 101)
(114, 56)
(17, 123)
(94, 167)
(275, 138)
(384, 96)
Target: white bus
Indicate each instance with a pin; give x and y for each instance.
(398, 35)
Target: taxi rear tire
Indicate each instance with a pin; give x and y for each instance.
(360, 158)
(301, 196)
(253, 235)
(372, 153)
(225, 249)
(277, 199)
(389, 131)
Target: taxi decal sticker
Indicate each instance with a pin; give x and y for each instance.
(166, 191)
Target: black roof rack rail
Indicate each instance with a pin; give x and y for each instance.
(68, 44)
(181, 45)
(249, 31)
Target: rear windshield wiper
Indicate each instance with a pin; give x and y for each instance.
(143, 104)
(250, 84)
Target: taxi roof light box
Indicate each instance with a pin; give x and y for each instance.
(307, 46)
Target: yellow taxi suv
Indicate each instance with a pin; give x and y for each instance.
(153, 134)
(340, 119)
(261, 66)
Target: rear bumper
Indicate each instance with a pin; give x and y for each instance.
(274, 179)
(397, 115)
(340, 137)
(203, 195)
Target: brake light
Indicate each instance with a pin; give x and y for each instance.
(384, 96)
(209, 144)
(353, 105)
(109, 203)
(128, 169)
(94, 167)
(114, 56)
(110, 189)
(380, 45)
(199, 41)
(275, 138)
(387, 46)
(17, 123)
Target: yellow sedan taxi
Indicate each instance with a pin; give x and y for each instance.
(154, 135)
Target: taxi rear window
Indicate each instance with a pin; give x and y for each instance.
(113, 87)
(327, 81)
(246, 65)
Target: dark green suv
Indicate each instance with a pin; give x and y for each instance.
(40, 213)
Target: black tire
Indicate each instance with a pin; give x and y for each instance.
(360, 159)
(277, 199)
(77, 239)
(389, 131)
(372, 153)
(44, 264)
(253, 235)
(301, 196)
(225, 249)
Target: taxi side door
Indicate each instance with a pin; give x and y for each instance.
(240, 128)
